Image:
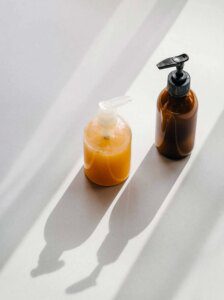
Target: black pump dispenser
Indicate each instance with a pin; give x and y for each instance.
(178, 83)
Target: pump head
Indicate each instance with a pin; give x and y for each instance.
(107, 115)
(178, 82)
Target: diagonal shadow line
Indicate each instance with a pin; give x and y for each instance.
(29, 199)
(156, 25)
(133, 59)
(125, 69)
(73, 39)
(24, 207)
(73, 220)
(175, 245)
(135, 210)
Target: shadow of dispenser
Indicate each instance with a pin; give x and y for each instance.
(72, 221)
(186, 233)
(177, 107)
(134, 211)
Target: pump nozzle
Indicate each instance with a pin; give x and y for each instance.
(107, 116)
(175, 61)
(114, 103)
(179, 80)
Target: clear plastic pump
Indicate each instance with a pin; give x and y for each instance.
(107, 115)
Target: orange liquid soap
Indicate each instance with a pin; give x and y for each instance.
(107, 147)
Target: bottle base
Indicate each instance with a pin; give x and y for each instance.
(95, 182)
(172, 156)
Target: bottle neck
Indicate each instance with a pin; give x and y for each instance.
(178, 88)
(107, 120)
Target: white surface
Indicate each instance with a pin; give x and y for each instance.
(160, 235)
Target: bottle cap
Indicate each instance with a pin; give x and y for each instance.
(178, 83)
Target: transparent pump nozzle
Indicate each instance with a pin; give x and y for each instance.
(107, 116)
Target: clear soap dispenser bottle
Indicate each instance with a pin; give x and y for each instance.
(177, 107)
(107, 145)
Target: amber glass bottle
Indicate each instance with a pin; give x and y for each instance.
(177, 107)
(176, 124)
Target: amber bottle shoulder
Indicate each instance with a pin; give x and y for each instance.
(177, 106)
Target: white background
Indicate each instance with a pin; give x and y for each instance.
(158, 236)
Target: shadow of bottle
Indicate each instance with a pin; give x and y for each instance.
(27, 172)
(60, 127)
(72, 221)
(172, 253)
(134, 210)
